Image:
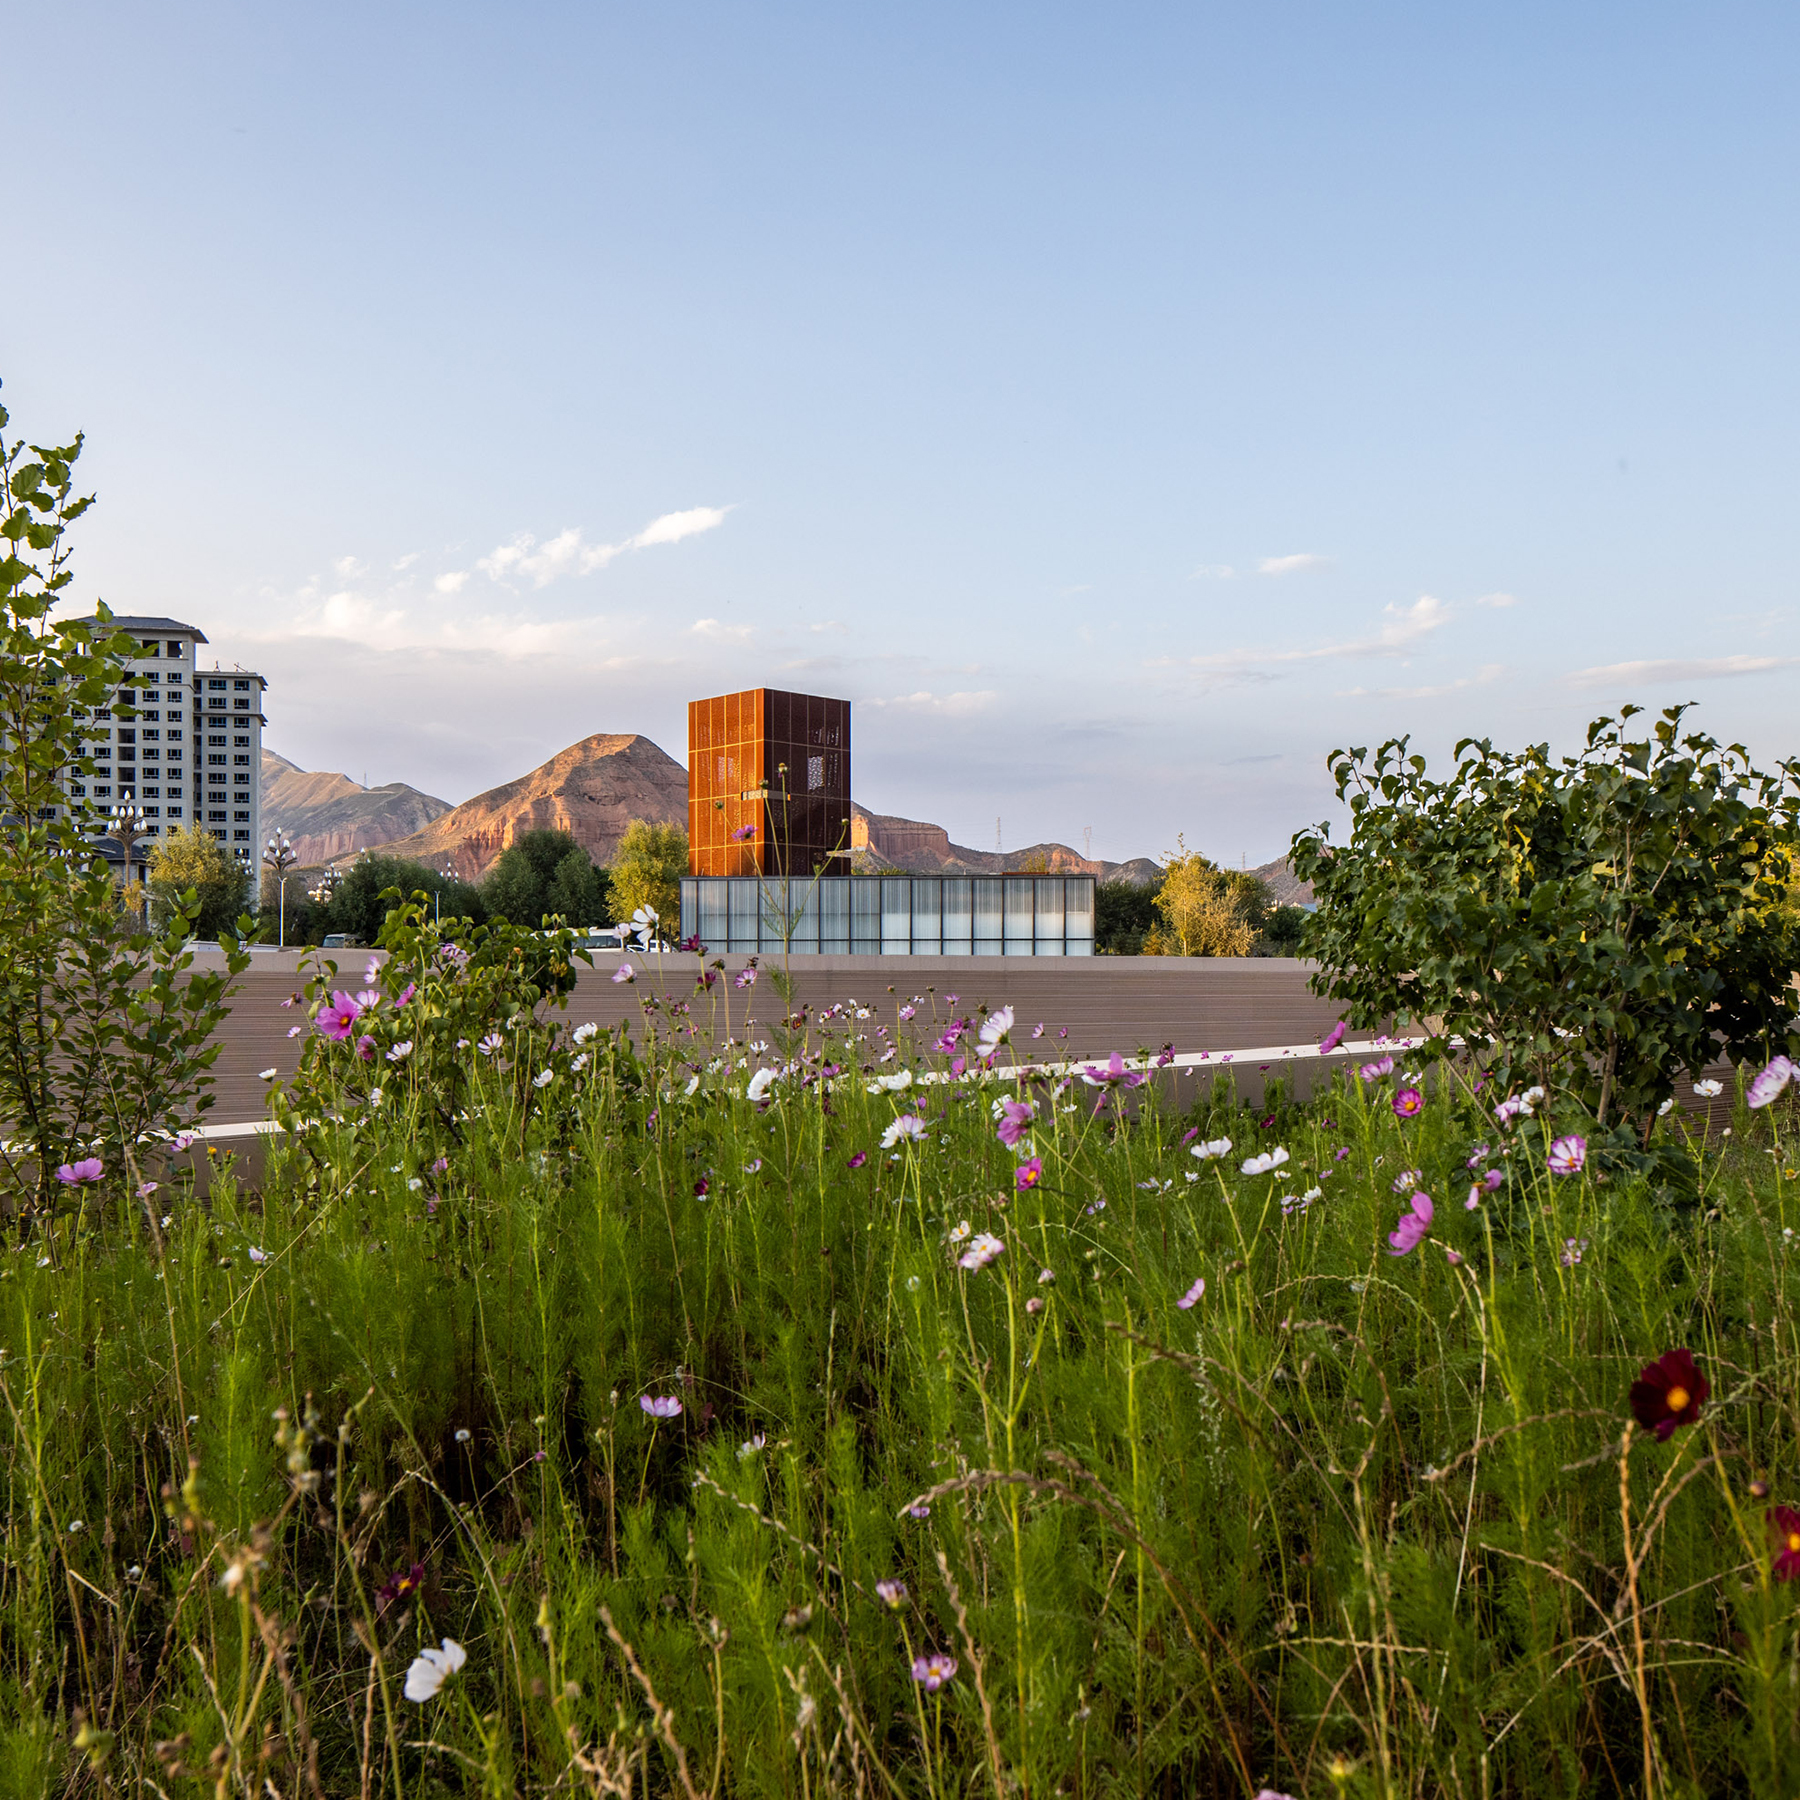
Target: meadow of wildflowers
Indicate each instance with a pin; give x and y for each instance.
(693, 1416)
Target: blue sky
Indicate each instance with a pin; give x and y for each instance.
(1121, 405)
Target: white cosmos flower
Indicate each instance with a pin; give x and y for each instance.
(257, 1254)
(1270, 1159)
(908, 1125)
(1213, 1147)
(994, 1029)
(692, 1088)
(760, 1083)
(266, 1075)
(543, 1078)
(432, 1668)
(1709, 1089)
(580, 1062)
(400, 1051)
(1663, 1111)
(583, 1033)
(892, 1084)
(959, 1232)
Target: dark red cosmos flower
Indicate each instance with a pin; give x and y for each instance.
(397, 1587)
(1669, 1392)
(861, 1157)
(1784, 1528)
(701, 1188)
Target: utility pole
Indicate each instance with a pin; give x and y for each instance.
(281, 856)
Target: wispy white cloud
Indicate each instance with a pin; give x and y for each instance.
(347, 568)
(1291, 565)
(451, 583)
(716, 629)
(671, 528)
(406, 561)
(569, 554)
(1696, 668)
(1498, 600)
(1403, 627)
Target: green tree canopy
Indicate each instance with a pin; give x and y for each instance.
(358, 910)
(647, 871)
(193, 858)
(546, 873)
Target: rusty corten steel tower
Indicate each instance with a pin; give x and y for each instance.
(778, 764)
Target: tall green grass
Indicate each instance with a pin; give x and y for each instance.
(1351, 1523)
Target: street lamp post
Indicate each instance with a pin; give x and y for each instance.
(126, 824)
(280, 856)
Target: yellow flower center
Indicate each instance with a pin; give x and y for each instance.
(1794, 1543)
(1677, 1399)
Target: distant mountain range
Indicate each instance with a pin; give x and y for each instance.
(918, 848)
(326, 816)
(593, 790)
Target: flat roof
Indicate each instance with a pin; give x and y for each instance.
(139, 624)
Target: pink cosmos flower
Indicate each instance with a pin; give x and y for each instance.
(1411, 1230)
(1192, 1297)
(334, 1021)
(1037, 1031)
(1015, 1120)
(891, 1593)
(365, 1048)
(857, 1161)
(1115, 1074)
(1408, 1103)
(624, 972)
(742, 832)
(406, 993)
(1028, 1174)
(1335, 1036)
(664, 1406)
(1373, 1071)
(442, 1163)
(1568, 1156)
(907, 1012)
(931, 1672)
(982, 1250)
(1768, 1086)
(77, 1174)
(745, 978)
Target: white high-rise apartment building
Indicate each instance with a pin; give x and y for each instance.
(193, 754)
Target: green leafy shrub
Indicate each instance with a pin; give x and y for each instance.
(1600, 921)
(106, 1029)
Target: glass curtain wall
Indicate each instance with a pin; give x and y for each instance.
(892, 915)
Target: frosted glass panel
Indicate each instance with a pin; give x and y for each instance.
(896, 916)
(712, 914)
(987, 908)
(1049, 908)
(1018, 910)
